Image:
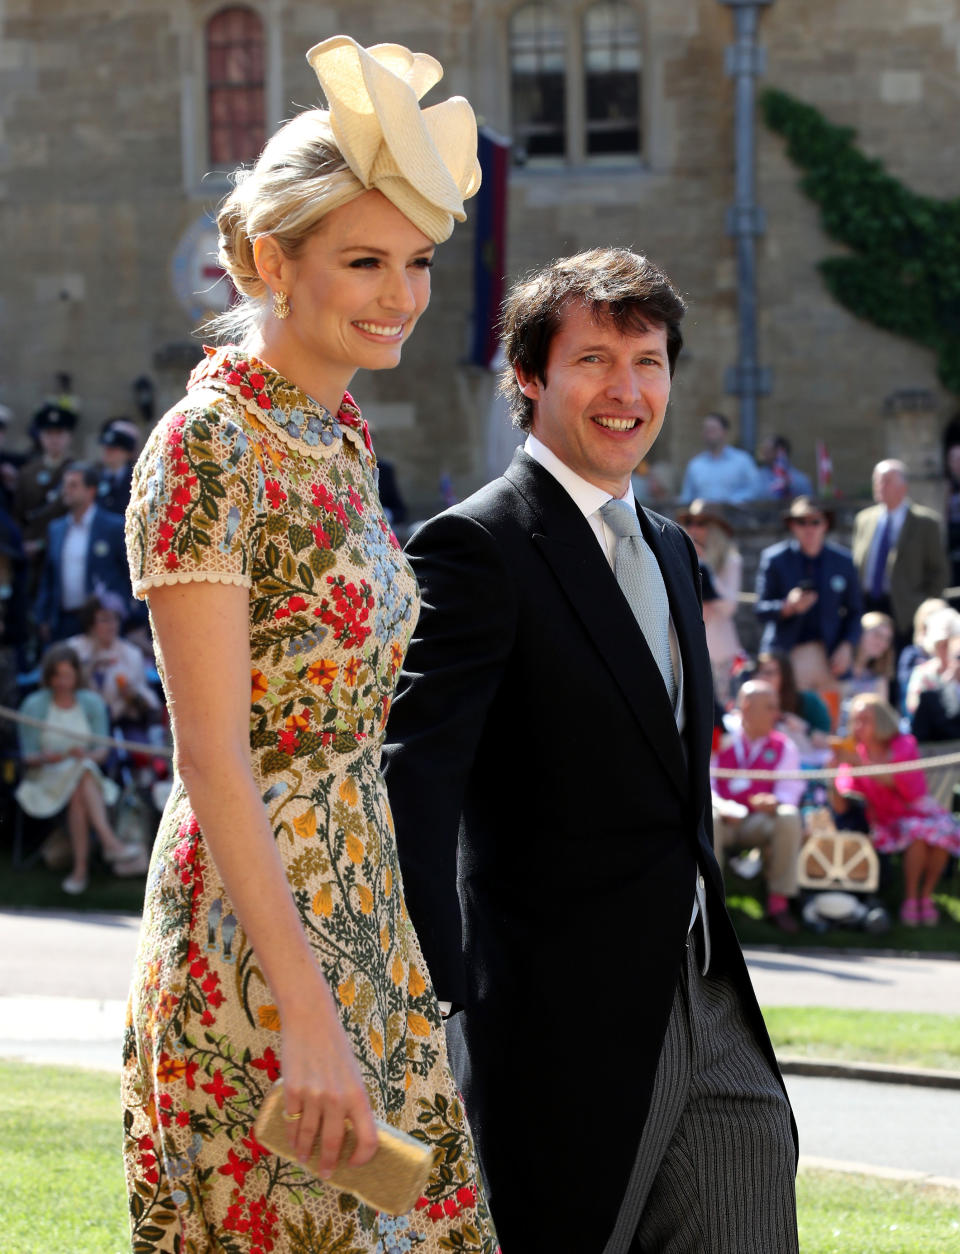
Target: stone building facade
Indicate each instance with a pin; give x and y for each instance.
(104, 185)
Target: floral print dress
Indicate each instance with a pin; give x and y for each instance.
(248, 481)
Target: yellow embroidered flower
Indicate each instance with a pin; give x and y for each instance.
(258, 686)
(418, 1024)
(269, 1018)
(323, 673)
(388, 882)
(386, 938)
(305, 825)
(349, 791)
(376, 1041)
(355, 849)
(347, 991)
(396, 971)
(323, 901)
(366, 898)
(416, 983)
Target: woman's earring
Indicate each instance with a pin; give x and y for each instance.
(281, 305)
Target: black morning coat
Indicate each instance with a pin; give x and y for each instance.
(534, 767)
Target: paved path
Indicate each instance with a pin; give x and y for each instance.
(64, 977)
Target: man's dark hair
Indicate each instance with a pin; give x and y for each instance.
(723, 420)
(91, 475)
(615, 284)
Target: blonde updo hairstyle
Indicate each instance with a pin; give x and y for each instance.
(285, 195)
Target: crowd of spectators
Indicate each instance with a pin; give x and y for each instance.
(858, 661)
(75, 647)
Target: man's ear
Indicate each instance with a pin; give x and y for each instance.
(530, 386)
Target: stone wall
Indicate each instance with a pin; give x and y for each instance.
(98, 182)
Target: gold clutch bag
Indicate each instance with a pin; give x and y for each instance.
(391, 1181)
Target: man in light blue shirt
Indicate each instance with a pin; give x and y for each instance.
(720, 472)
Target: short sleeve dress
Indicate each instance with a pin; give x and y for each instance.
(248, 481)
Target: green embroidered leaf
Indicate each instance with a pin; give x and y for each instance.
(273, 760)
(276, 524)
(344, 742)
(321, 560)
(271, 556)
(298, 536)
(306, 576)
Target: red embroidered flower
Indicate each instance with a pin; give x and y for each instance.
(322, 539)
(322, 497)
(289, 741)
(282, 611)
(207, 1018)
(235, 378)
(236, 1167)
(435, 1212)
(263, 400)
(355, 500)
(422, 1202)
(246, 391)
(269, 1063)
(275, 494)
(192, 1068)
(172, 561)
(256, 381)
(253, 1145)
(242, 366)
(296, 603)
(467, 1196)
(183, 1118)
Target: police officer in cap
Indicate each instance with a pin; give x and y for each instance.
(37, 501)
(118, 444)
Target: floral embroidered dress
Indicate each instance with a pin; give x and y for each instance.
(248, 481)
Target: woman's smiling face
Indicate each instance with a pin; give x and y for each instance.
(357, 288)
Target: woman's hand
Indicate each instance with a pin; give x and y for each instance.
(322, 1084)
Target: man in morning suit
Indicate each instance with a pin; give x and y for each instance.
(898, 550)
(547, 761)
(85, 554)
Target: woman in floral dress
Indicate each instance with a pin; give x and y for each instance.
(275, 938)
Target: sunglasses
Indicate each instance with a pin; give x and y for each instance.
(808, 522)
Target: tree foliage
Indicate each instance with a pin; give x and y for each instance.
(903, 273)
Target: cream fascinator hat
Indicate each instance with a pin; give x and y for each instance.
(423, 161)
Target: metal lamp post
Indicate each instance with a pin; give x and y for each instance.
(745, 61)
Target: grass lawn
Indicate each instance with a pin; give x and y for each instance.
(906, 1040)
(39, 888)
(61, 1178)
(841, 1214)
(61, 1182)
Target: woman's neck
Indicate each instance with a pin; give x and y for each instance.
(283, 353)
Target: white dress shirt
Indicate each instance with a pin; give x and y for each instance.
(73, 561)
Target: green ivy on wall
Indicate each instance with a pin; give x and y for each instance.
(904, 274)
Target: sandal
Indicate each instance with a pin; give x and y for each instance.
(910, 913)
(929, 914)
(74, 885)
(132, 850)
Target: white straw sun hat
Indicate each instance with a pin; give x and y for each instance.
(423, 160)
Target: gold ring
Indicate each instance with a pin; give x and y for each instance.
(293, 1118)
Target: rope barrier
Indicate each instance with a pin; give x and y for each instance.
(831, 772)
(109, 742)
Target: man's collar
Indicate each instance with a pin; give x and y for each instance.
(587, 497)
(85, 519)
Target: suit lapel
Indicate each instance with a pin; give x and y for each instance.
(570, 548)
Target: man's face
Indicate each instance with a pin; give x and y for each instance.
(74, 491)
(810, 532)
(113, 459)
(889, 487)
(759, 712)
(55, 443)
(714, 434)
(604, 399)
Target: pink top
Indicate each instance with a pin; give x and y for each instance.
(887, 802)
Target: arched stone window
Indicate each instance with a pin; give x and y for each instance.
(538, 70)
(611, 67)
(235, 86)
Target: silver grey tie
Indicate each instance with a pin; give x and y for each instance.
(641, 582)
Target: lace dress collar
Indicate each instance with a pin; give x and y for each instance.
(279, 406)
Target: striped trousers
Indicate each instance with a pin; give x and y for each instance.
(715, 1170)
